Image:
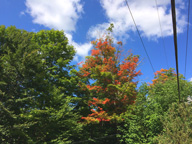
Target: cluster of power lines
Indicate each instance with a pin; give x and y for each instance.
(174, 35)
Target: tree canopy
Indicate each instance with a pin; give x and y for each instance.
(35, 87)
(44, 98)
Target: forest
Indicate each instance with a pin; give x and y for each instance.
(45, 99)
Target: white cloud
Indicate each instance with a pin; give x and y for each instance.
(81, 49)
(58, 14)
(145, 15)
(61, 15)
(64, 14)
(190, 79)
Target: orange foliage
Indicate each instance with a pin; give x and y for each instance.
(108, 100)
(120, 43)
(163, 75)
(95, 52)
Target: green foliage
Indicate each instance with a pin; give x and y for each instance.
(35, 87)
(166, 93)
(177, 125)
(43, 99)
(143, 121)
(110, 28)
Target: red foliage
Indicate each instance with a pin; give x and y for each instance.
(103, 67)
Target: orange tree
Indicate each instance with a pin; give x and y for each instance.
(112, 85)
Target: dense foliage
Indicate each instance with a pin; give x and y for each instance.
(112, 88)
(46, 99)
(35, 87)
(177, 125)
(143, 123)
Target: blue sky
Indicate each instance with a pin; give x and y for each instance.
(86, 20)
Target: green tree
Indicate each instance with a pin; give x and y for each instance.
(36, 89)
(143, 120)
(164, 91)
(177, 125)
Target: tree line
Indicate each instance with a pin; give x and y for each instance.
(46, 99)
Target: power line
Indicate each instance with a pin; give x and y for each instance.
(175, 41)
(187, 37)
(161, 33)
(139, 36)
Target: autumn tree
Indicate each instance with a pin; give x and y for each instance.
(111, 83)
(113, 87)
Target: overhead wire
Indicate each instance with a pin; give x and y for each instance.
(187, 38)
(175, 42)
(162, 34)
(140, 36)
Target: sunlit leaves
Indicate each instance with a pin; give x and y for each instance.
(163, 75)
(114, 86)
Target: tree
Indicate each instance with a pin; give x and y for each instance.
(111, 85)
(164, 91)
(114, 87)
(36, 89)
(177, 125)
(142, 121)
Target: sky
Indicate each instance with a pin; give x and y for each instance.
(87, 20)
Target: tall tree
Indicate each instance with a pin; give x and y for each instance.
(111, 84)
(36, 87)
